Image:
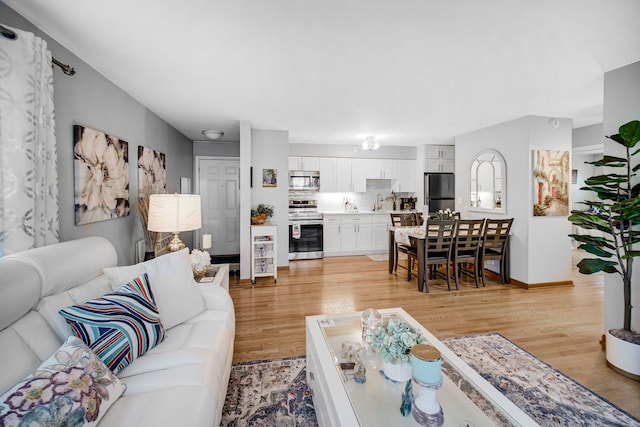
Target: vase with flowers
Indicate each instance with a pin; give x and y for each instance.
(199, 261)
(393, 340)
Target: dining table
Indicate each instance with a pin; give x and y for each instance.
(417, 235)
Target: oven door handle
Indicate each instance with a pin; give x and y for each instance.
(306, 222)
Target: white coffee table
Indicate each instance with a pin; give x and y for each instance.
(466, 398)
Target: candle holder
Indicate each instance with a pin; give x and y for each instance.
(426, 364)
(425, 409)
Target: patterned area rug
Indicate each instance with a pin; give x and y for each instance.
(546, 395)
(269, 393)
(274, 392)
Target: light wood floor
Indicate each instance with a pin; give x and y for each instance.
(561, 326)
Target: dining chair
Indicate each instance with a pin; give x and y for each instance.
(466, 249)
(439, 239)
(417, 218)
(401, 220)
(495, 245)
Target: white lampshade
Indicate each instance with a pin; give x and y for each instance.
(174, 213)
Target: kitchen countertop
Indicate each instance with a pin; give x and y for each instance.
(365, 212)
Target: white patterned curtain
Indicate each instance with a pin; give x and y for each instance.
(28, 160)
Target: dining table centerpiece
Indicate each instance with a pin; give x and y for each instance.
(393, 340)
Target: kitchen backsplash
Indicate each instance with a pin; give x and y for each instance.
(328, 202)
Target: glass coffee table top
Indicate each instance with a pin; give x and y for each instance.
(466, 398)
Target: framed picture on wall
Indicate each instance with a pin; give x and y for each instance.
(269, 178)
(101, 175)
(574, 176)
(152, 172)
(551, 178)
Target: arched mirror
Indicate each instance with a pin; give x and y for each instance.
(487, 182)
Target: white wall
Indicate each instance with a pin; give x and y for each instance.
(621, 105)
(269, 150)
(245, 199)
(540, 248)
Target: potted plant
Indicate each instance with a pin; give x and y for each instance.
(394, 340)
(261, 214)
(616, 214)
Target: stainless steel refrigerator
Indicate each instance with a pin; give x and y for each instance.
(439, 191)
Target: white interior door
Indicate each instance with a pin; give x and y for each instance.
(218, 181)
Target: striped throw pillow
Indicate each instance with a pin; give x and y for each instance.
(120, 326)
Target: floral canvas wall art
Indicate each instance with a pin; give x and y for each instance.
(551, 183)
(101, 168)
(152, 172)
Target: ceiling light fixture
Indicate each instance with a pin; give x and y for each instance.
(213, 134)
(370, 143)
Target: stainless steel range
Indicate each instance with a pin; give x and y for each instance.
(305, 228)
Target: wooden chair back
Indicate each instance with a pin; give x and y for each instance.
(440, 236)
(470, 234)
(496, 232)
(402, 219)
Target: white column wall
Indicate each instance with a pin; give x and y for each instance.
(621, 105)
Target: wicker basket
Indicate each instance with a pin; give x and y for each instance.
(258, 221)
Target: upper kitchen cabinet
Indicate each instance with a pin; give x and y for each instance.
(328, 178)
(381, 169)
(350, 175)
(304, 163)
(406, 180)
(439, 158)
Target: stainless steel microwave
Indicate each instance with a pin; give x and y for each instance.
(304, 180)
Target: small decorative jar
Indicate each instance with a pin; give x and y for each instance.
(371, 320)
(426, 363)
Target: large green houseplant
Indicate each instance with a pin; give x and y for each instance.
(616, 214)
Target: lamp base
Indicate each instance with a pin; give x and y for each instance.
(175, 244)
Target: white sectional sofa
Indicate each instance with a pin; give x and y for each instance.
(182, 381)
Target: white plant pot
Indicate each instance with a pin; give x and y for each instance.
(399, 372)
(623, 356)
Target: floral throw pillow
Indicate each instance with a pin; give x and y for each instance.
(120, 326)
(71, 388)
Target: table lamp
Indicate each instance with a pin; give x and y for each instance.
(174, 213)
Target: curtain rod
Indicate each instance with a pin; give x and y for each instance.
(11, 35)
(67, 69)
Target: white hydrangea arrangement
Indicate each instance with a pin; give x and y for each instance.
(394, 340)
(445, 214)
(199, 260)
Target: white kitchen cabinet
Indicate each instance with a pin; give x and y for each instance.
(327, 168)
(331, 234)
(358, 176)
(350, 176)
(355, 233)
(304, 163)
(439, 158)
(381, 169)
(406, 180)
(379, 232)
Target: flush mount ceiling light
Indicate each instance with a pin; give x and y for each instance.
(370, 143)
(213, 134)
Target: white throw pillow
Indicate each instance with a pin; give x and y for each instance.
(174, 289)
(71, 387)
(120, 276)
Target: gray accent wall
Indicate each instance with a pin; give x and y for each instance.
(90, 99)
